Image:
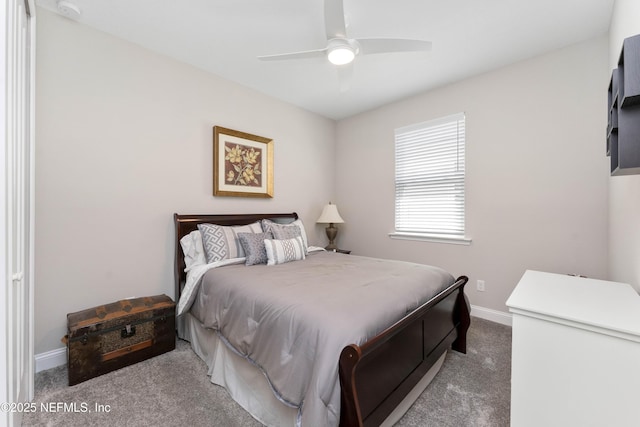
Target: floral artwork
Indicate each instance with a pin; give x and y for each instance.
(242, 165)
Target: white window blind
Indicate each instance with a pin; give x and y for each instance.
(430, 177)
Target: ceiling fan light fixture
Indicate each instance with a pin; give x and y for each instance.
(341, 55)
(340, 52)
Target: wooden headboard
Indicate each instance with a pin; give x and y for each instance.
(185, 224)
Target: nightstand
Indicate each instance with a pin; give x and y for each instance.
(342, 251)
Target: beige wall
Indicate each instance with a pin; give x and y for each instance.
(624, 191)
(537, 183)
(124, 140)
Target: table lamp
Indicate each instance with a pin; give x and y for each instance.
(330, 216)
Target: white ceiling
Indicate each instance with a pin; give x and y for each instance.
(225, 37)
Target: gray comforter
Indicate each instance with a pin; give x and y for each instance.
(293, 320)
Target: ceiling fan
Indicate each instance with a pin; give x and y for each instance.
(341, 50)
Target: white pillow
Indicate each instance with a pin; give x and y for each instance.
(281, 251)
(193, 249)
(303, 232)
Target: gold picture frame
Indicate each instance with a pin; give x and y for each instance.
(242, 164)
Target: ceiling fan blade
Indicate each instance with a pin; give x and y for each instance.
(374, 45)
(294, 55)
(345, 76)
(334, 19)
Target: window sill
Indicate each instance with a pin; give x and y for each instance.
(453, 240)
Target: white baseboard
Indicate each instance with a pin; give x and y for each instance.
(51, 359)
(492, 315)
(58, 357)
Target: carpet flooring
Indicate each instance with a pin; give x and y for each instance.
(471, 389)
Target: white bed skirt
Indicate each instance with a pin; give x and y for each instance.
(248, 386)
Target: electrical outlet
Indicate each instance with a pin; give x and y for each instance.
(480, 285)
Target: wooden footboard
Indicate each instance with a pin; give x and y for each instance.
(376, 376)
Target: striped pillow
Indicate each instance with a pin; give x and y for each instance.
(281, 251)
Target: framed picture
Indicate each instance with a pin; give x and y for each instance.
(242, 164)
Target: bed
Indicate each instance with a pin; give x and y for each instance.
(378, 377)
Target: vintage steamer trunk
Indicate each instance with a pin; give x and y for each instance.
(103, 339)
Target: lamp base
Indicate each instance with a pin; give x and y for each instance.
(332, 232)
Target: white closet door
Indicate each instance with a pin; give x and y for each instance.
(17, 363)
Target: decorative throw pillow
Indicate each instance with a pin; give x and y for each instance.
(253, 246)
(221, 242)
(286, 231)
(281, 251)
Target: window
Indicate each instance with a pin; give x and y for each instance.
(430, 180)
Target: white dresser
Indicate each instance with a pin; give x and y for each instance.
(575, 352)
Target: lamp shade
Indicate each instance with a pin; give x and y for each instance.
(330, 215)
